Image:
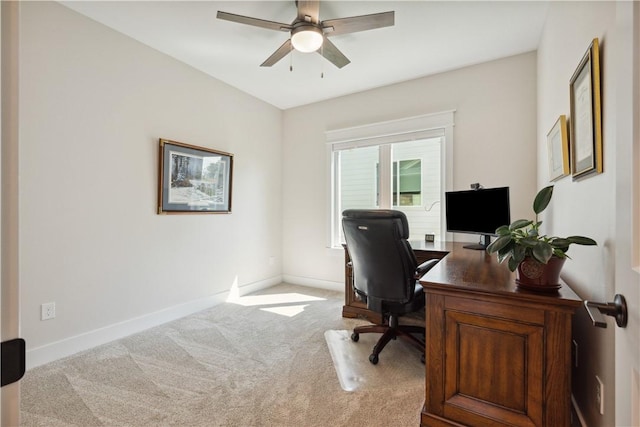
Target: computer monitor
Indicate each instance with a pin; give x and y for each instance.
(478, 211)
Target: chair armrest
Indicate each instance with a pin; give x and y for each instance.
(422, 269)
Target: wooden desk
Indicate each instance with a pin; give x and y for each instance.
(494, 355)
(355, 307)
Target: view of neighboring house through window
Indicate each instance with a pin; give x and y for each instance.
(407, 182)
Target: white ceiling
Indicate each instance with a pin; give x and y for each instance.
(428, 37)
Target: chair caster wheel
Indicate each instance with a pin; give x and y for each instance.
(355, 337)
(373, 359)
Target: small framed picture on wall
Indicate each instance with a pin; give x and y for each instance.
(586, 115)
(558, 149)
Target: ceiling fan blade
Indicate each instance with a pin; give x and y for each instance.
(333, 54)
(270, 25)
(310, 8)
(280, 53)
(335, 27)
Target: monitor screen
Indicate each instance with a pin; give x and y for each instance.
(477, 211)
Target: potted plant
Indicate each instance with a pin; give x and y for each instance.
(536, 258)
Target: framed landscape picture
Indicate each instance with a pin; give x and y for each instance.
(586, 115)
(193, 179)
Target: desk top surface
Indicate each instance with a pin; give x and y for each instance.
(476, 271)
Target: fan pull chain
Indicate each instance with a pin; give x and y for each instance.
(291, 59)
(322, 61)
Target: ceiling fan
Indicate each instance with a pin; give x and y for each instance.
(309, 34)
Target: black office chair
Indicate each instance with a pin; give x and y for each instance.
(385, 273)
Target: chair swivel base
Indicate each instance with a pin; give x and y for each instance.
(388, 333)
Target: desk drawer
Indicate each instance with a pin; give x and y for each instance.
(497, 310)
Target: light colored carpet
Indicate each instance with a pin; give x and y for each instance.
(259, 361)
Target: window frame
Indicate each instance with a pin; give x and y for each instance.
(383, 134)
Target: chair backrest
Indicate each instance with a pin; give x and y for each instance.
(384, 264)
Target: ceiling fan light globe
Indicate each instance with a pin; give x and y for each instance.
(307, 39)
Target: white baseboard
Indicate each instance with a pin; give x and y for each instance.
(68, 346)
(313, 283)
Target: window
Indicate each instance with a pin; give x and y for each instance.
(394, 165)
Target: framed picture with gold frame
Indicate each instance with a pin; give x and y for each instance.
(586, 115)
(558, 149)
(193, 179)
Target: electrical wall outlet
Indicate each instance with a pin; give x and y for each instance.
(48, 311)
(600, 395)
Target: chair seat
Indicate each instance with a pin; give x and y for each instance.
(416, 303)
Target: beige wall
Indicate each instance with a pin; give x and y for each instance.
(587, 206)
(495, 120)
(90, 124)
(93, 104)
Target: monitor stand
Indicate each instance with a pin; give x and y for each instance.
(485, 239)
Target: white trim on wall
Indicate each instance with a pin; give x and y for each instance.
(69, 346)
(314, 283)
(392, 130)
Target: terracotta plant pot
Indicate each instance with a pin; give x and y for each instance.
(535, 276)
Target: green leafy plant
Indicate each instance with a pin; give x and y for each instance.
(522, 238)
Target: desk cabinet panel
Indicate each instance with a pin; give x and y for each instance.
(493, 369)
(485, 369)
(495, 356)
